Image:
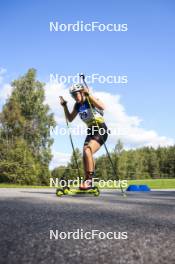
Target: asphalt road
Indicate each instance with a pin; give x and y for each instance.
(28, 215)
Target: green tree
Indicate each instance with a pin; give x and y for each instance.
(17, 164)
(72, 166)
(25, 116)
(58, 172)
(117, 161)
(103, 170)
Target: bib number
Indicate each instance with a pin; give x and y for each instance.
(83, 115)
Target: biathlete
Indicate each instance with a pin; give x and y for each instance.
(90, 110)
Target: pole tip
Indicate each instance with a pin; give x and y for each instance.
(82, 75)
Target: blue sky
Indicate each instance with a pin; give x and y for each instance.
(145, 53)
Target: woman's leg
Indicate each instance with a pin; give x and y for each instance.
(91, 146)
(88, 151)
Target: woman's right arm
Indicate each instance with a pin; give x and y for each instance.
(70, 116)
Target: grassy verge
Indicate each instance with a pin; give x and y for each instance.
(156, 183)
(153, 184)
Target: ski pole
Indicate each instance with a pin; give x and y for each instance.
(72, 144)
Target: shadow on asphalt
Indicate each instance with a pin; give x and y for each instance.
(37, 192)
(146, 199)
(144, 194)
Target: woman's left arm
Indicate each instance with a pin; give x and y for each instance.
(96, 102)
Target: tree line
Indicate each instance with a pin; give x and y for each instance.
(141, 163)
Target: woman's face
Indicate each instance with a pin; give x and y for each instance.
(78, 96)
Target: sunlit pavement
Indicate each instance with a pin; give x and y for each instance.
(28, 215)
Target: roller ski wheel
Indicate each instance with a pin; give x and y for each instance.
(96, 191)
(66, 190)
(59, 192)
(93, 190)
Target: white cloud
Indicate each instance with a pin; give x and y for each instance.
(5, 92)
(59, 158)
(133, 134)
(128, 127)
(5, 88)
(52, 93)
(2, 73)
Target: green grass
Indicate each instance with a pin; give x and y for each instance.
(153, 184)
(156, 183)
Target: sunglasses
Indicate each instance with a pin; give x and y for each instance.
(75, 94)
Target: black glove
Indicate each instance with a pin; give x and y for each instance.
(62, 101)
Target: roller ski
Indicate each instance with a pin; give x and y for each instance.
(84, 188)
(68, 191)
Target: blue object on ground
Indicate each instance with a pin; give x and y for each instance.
(133, 188)
(138, 188)
(144, 188)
